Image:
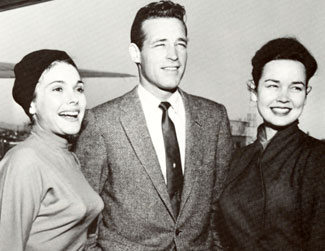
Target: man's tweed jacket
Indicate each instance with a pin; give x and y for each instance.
(118, 159)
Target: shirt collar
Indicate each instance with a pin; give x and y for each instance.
(151, 101)
(148, 100)
(176, 101)
(261, 136)
(283, 132)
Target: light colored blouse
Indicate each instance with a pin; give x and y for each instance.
(45, 201)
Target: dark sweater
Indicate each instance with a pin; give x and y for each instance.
(274, 197)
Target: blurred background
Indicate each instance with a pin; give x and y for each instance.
(224, 35)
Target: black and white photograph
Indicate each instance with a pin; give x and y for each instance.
(162, 125)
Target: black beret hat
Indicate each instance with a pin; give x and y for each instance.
(29, 70)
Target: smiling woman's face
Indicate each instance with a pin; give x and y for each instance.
(60, 102)
(281, 92)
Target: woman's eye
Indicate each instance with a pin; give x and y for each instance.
(297, 88)
(81, 89)
(272, 86)
(58, 89)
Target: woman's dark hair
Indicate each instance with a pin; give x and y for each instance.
(28, 72)
(159, 9)
(283, 48)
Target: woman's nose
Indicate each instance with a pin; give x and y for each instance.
(73, 98)
(283, 96)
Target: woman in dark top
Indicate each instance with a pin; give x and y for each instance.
(274, 194)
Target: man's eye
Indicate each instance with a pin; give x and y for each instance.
(182, 45)
(159, 45)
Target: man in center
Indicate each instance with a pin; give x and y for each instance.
(157, 155)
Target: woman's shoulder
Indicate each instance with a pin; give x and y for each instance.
(312, 145)
(22, 158)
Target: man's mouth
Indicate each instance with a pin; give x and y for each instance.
(170, 68)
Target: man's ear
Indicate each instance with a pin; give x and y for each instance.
(32, 108)
(135, 53)
(252, 90)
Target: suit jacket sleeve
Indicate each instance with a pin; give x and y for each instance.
(91, 151)
(223, 154)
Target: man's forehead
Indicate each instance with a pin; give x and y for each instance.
(163, 27)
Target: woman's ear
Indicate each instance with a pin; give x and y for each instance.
(135, 53)
(309, 88)
(252, 90)
(32, 108)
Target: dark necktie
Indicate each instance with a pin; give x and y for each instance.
(173, 159)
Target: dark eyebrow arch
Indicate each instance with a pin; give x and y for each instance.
(272, 80)
(63, 82)
(56, 81)
(159, 40)
(183, 40)
(164, 40)
(298, 83)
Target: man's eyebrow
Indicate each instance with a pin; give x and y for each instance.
(159, 40)
(185, 40)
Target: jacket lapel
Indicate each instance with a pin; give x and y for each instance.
(134, 124)
(193, 151)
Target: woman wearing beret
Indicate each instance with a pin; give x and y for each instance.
(45, 202)
(274, 194)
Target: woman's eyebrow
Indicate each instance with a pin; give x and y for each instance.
(298, 83)
(272, 80)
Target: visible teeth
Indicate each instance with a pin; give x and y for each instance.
(73, 114)
(171, 68)
(281, 109)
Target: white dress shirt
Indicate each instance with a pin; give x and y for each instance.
(153, 116)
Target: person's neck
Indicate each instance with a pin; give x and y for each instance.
(271, 130)
(162, 95)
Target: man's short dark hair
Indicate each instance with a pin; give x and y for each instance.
(283, 48)
(164, 8)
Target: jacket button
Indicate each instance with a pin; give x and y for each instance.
(177, 232)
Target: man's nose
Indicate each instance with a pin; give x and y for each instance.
(172, 53)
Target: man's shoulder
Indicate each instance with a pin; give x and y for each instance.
(114, 105)
(202, 103)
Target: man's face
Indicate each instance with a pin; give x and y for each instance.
(163, 55)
